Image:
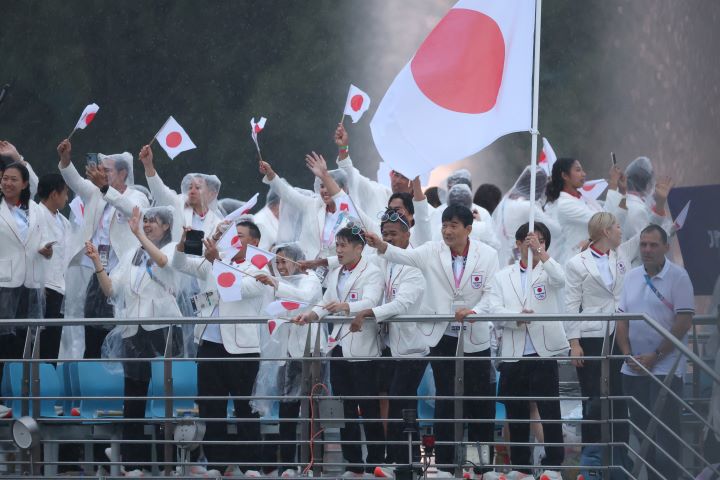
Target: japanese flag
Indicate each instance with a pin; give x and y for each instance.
(229, 243)
(469, 83)
(173, 138)
(235, 215)
(547, 157)
(592, 189)
(682, 216)
(256, 128)
(284, 307)
(258, 256)
(356, 104)
(228, 281)
(275, 324)
(87, 116)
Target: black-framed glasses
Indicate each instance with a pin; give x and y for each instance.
(392, 215)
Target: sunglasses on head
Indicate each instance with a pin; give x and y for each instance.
(392, 215)
(356, 230)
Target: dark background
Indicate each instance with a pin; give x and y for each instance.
(639, 77)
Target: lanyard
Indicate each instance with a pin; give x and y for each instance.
(390, 283)
(657, 293)
(458, 268)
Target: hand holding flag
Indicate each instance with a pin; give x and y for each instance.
(87, 116)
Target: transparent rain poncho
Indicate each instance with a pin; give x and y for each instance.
(460, 194)
(640, 177)
(283, 339)
(202, 188)
(121, 161)
(145, 191)
(461, 176)
(143, 289)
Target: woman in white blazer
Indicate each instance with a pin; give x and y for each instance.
(227, 340)
(354, 286)
(196, 204)
(571, 210)
(25, 245)
(524, 342)
(457, 271)
(291, 284)
(594, 281)
(143, 285)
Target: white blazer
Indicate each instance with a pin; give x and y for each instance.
(362, 290)
(307, 290)
(371, 196)
(435, 261)
(483, 230)
(121, 238)
(20, 262)
(585, 290)
(182, 214)
(507, 295)
(138, 295)
(237, 338)
(403, 290)
(268, 225)
(60, 231)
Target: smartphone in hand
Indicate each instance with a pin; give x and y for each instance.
(194, 242)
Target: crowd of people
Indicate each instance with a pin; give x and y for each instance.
(351, 246)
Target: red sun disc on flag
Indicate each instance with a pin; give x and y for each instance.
(588, 188)
(89, 118)
(271, 326)
(290, 305)
(259, 261)
(236, 242)
(344, 207)
(258, 128)
(226, 279)
(173, 139)
(356, 103)
(460, 64)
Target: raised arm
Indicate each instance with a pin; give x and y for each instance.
(81, 186)
(124, 203)
(197, 267)
(162, 194)
(286, 192)
(155, 253)
(415, 257)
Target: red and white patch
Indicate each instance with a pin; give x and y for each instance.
(540, 292)
(476, 281)
(353, 296)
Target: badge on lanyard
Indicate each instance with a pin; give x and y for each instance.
(456, 305)
(203, 301)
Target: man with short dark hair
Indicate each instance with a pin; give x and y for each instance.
(661, 290)
(457, 270)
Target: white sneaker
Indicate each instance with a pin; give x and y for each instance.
(137, 473)
(551, 475)
(253, 474)
(384, 472)
(289, 473)
(5, 412)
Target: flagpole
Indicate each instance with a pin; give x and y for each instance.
(342, 119)
(160, 130)
(535, 133)
(71, 133)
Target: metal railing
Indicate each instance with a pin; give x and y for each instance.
(40, 455)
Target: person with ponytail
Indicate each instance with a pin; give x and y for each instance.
(573, 211)
(25, 243)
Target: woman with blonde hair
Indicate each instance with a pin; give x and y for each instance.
(594, 282)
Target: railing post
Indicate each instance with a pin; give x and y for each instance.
(168, 390)
(459, 435)
(305, 402)
(315, 369)
(605, 402)
(35, 454)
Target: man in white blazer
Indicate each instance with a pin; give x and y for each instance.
(457, 271)
(402, 295)
(228, 341)
(267, 220)
(195, 206)
(108, 204)
(510, 293)
(354, 286)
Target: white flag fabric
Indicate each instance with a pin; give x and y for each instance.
(547, 157)
(284, 307)
(469, 83)
(235, 215)
(228, 281)
(256, 128)
(357, 103)
(275, 324)
(258, 256)
(682, 216)
(592, 189)
(87, 116)
(77, 207)
(229, 244)
(173, 138)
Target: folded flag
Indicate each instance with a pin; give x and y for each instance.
(256, 128)
(235, 215)
(592, 189)
(285, 307)
(87, 116)
(682, 216)
(547, 157)
(275, 323)
(229, 243)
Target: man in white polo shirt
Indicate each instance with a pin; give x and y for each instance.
(663, 291)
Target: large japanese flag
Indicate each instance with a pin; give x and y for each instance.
(469, 83)
(173, 138)
(228, 281)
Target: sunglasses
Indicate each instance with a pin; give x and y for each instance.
(392, 216)
(356, 230)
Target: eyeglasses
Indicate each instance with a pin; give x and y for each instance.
(356, 230)
(392, 215)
